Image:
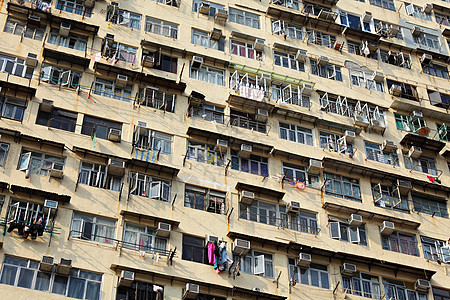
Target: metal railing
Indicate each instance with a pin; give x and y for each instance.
(85, 12)
(244, 122)
(164, 30)
(51, 229)
(385, 158)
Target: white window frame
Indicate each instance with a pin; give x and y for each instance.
(161, 27)
(79, 41)
(244, 17)
(20, 27)
(38, 162)
(209, 74)
(17, 66)
(255, 263)
(60, 76)
(150, 186)
(294, 131)
(205, 153)
(156, 245)
(295, 273)
(250, 52)
(82, 219)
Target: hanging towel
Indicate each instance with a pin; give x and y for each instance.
(211, 256)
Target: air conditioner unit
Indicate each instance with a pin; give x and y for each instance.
(114, 135)
(301, 55)
(241, 247)
(304, 260)
(416, 115)
(121, 81)
(148, 61)
(416, 31)
(388, 146)
(221, 15)
(377, 125)
(427, 8)
(64, 267)
(307, 89)
(221, 144)
(360, 120)
(315, 166)
(266, 77)
(393, 30)
(395, 90)
(422, 285)
(31, 60)
(204, 8)
(197, 62)
(163, 229)
(51, 204)
(355, 220)
(348, 269)
(404, 186)
(367, 16)
(64, 29)
(114, 3)
(293, 207)
(387, 228)
(327, 15)
(246, 150)
(259, 44)
(323, 61)
(350, 136)
(89, 3)
(378, 76)
(212, 238)
(262, 115)
(246, 197)
(34, 20)
(216, 34)
(46, 106)
(57, 170)
(191, 291)
(116, 167)
(46, 263)
(126, 278)
(415, 152)
(426, 59)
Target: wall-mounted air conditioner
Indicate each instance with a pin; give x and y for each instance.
(293, 207)
(89, 3)
(121, 81)
(388, 146)
(262, 115)
(377, 125)
(163, 229)
(416, 31)
(241, 247)
(350, 136)
(192, 291)
(426, 59)
(221, 15)
(64, 266)
(31, 60)
(404, 186)
(46, 106)
(415, 152)
(46, 263)
(378, 76)
(315, 166)
(204, 8)
(114, 3)
(301, 55)
(422, 285)
(323, 61)
(304, 260)
(246, 150)
(221, 145)
(64, 29)
(126, 278)
(348, 269)
(427, 8)
(246, 197)
(259, 44)
(57, 170)
(387, 228)
(212, 239)
(216, 34)
(355, 220)
(307, 89)
(395, 90)
(367, 16)
(197, 62)
(416, 115)
(114, 135)
(116, 167)
(361, 121)
(393, 30)
(148, 61)
(34, 20)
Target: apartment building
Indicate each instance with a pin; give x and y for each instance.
(177, 149)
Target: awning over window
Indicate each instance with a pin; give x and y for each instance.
(40, 193)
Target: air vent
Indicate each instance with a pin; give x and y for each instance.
(387, 228)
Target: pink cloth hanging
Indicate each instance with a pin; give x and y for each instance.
(211, 256)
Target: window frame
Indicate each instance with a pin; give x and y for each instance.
(209, 196)
(244, 18)
(150, 186)
(83, 234)
(297, 273)
(343, 181)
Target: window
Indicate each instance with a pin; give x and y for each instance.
(263, 212)
(203, 38)
(58, 118)
(244, 18)
(143, 238)
(207, 112)
(400, 242)
(4, 148)
(17, 27)
(396, 290)
(354, 21)
(335, 143)
(430, 205)
(165, 63)
(12, 109)
(28, 212)
(153, 97)
(366, 80)
(288, 61)
(362, 284)
(374, 152)
(98, 127)
(290, 94)
(15, 66)
(73, 41)
(117, 51)
(337, 104)
(123, 17)
(314, 9)
(205, 153)
(342, 187)
(398, 59)
(288, 30)
(93, 228)
(295, 133)
(389, 197)
(329, 71)
(213, 7)
(388, 4)
(150, 186)
(245, 50)
(246, 120)
(161, 27)
(436, 70)
(37, 162)
(193, 249)
(439, 99)
(25, 273)
(408, 123)
(288, 3)
(314, 275)
(341, 230)
(439, 294)
(145, 138)
(60, 76)
(254, 164)
(435, 250)
(304, 221)
(140, 290)
(175, 3)
(75, 7)
(298, 173)
(319, 38)
(383, 29)
(109, 88)
(95, 175)
(408, 91)
(443, 132)
(442, 19)
(422, 164)
(416, 11)
(428, 40)
(209, 74)
(204, 199)
(257, 263)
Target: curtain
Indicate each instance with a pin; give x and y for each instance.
(76, 288)
(8, 274)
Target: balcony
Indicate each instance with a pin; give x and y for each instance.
(426, 142)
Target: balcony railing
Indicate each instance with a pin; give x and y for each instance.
(164, 30)
(243, 122)
(385, 158)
